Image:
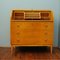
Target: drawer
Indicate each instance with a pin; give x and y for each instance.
(25, 40)
(21, 26)
(26, 34)
(25, 27)
(31, 41)
(47, 25)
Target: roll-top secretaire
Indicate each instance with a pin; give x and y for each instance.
(31, 28)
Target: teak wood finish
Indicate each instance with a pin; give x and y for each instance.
(32, 28)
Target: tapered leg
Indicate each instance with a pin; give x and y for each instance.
(51, 49)
(51, 55)
(12, 50)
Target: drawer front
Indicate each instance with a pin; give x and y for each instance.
(24, 27)
(47, 26)
(20, 26)
(35, 26)
(24, 40)
(31, 41)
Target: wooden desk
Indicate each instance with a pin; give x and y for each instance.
(32, 28)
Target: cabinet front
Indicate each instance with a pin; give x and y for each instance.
(31, 33)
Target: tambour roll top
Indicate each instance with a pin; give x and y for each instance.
(32, 15)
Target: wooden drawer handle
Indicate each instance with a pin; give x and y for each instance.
(45, 33)
(18, 40)
(18, 25)
(45, 40)
(17, 33)
(46, 26)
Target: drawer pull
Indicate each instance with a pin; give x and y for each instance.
(18, 33)
(45, 33)
(18, 40)
(46, 26)
(18, 26)
(45, 40)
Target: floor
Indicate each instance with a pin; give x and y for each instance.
(32, 53)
